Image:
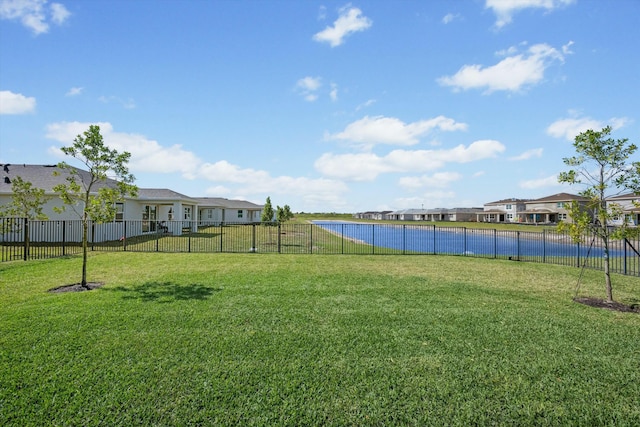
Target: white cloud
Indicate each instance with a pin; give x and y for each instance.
(34, 14)
(308, 87)
(147, 155)
(366, 104)
(569, 128)
(511, 74)
(529, 154)
(369, 131)
(450, 17)
(350, 21)
(505, 9)
(59, 13)
(334, 92)
(259, 182)
(437, 180)
(16, 103)
(533, 184)
(367, 166)
(74, 91)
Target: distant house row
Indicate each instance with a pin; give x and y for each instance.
(547, 210)
(153, 208)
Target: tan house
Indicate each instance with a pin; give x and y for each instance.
(551, 209)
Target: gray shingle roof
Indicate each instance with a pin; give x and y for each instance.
(162, 194)
(221, 202)
(40, 176)
(560, 197)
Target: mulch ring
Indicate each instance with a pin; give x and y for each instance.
(615, 306)
(76, 287)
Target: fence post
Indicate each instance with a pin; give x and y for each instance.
(624, 260)
(434, 240)
(221, 234)
(311, 238)
(495, 243)
(342, 239)
(25, 251)
(279, 238)
(404, 238)
(373, 239)
(464, 249)
(518, 241)
(544, 246)
(64, 238)
(124, 237)
(253, 238)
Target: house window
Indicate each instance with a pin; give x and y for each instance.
(119, 212)
(187, 213)
(562, 216)
(560, 205)
(510, 217)
(509, 207)
(240, 212)
(209, 213)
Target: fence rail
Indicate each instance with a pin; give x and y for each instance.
(26, 240)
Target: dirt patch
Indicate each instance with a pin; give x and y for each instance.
(77, 287)
(615, 306)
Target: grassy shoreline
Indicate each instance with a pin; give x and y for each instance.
(236, 339)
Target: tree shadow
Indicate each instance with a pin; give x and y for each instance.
(165, 292)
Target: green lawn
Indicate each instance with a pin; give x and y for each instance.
(273, 339)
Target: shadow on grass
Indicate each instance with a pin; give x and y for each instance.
(166, 292)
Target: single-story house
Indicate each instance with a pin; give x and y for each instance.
(437, 214)
(217, 210)
(377, 215)
(507, 210)
(408, 215)
(152, 210)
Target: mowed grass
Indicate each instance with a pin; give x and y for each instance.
(268, 339)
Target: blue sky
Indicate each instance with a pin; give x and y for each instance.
(325, 106)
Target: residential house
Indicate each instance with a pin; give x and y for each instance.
(501, 211)
(377, 215)
(152, 210)
(630, 205)
(218, 210)
(409, 215)
(551, 209)
(437, 214)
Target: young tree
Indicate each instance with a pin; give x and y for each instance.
(267, 211)
(602, 166)
(92, 194)
(284, 213)
(26, 203)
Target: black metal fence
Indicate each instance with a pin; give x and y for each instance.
(25, 240)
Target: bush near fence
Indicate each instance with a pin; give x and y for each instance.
(59, 238)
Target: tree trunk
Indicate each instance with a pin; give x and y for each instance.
(607, 274)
